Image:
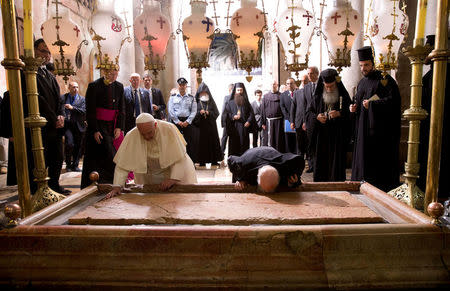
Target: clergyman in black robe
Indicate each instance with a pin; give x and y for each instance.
(245, 168)
(239, 119)
(377, 114)
(328, 117)
(208, 143)
(444, 165)
(272, 120)
(105, 114)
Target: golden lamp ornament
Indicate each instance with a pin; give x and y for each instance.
(295, 28)
(198, 31)
(110, 33)
(387, 27)
(62, 36)
(340, 27)
(248, 25)
(152, 29)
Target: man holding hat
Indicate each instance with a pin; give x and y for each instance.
(328, 118)
(182, 111)
(377, 130)
(156, 152)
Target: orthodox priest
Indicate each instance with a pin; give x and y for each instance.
(272, 120)
(239, 119)
(245, 168)
(105, 114)
(328, 118)
(377, 115)
(208, 144)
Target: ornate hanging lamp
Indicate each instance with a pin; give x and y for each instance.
(340, 27)
(109, 32)
(63, 37)
(198, 31)
(388, 26)
(248, 25)
(295, 28)
(152, 29)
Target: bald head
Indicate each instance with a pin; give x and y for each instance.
(268, 179)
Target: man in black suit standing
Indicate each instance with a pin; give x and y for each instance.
(51, 107)
(137, 101)
(156, 98)
(74, 125)
(285, 104)
(256, 105)
(308, 93)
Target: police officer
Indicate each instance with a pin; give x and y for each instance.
(182, 110)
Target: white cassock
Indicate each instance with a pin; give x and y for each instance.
(164, 157)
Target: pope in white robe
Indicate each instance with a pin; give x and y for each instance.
(155, 151)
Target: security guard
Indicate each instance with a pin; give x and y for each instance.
(182, 110)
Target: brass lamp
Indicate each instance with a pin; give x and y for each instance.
(248, 25)
(152, 29)
(198, 31)
(341, 26)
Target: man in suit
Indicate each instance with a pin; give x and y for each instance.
(156, 98)
(137, 101)
(256, 105)
(297, 118)
(308, 93)
(74, 125)
(51, 107)
(285, 104)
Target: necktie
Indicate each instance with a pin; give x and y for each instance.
(136, 103)
(292, 94)
(313, 86)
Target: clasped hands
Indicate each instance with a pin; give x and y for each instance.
(183, 123)
(322, 118)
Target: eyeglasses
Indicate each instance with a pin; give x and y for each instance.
(44, 51)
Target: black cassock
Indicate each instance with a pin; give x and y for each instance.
(208, 144)
(99, 157)
(245, 168)
(272, 118)
(444, 166)
(329, 140)
(238, 134)
(377, 133)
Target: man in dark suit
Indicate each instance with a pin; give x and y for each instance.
(51, 107)
(156, 98)
(256, 105)
(313, 76)
(285, 104)
(74, 125)
(297, 120)
(137, 101)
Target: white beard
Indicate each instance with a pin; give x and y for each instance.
(330, 98)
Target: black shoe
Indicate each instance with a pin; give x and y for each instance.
(65, 191)
(76, 169)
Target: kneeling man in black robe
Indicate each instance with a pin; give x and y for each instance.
(266, 167)
(328, 118)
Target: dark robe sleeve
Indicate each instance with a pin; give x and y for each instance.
(214, 112)
(120, 107)
(91, 104)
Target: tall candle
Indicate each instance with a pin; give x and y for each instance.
(28, 27)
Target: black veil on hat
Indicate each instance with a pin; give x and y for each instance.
(240, 85)
(365, 53)
(329, 75)
(204, 88)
